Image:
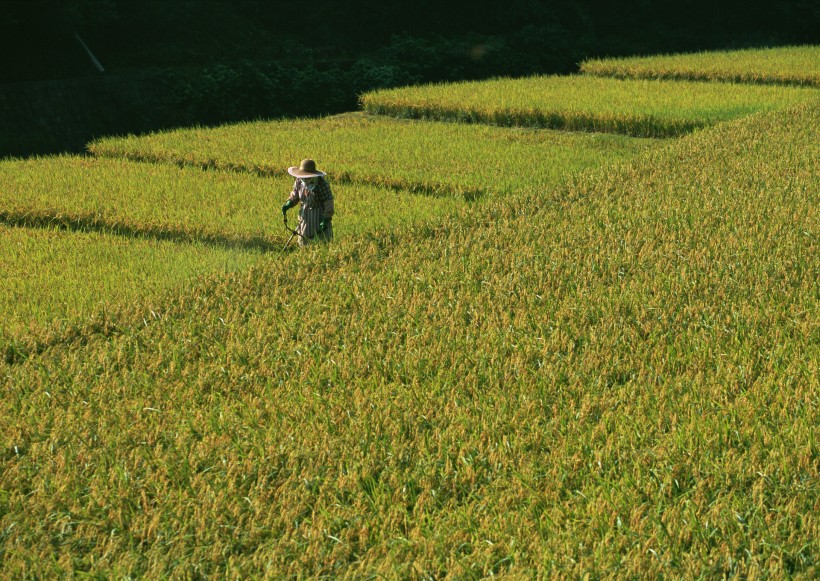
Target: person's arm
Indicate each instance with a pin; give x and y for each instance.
(293, 199)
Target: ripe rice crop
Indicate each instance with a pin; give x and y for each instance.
(435, 158)
(788, 65)
(645, 108)
(621, 381)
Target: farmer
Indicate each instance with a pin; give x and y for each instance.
(315, 214)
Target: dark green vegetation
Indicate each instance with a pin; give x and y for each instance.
(436, 39)
(608, 370)
(186, 62)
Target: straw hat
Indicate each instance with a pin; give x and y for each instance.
(306, 169)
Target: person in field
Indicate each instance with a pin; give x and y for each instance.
(312, 191)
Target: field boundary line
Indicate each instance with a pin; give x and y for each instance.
(431, 189)
(92, 223)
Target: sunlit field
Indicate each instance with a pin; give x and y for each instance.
(56, 282)
(644, 108)
(149, 228)
(185, 204)
(790, 65)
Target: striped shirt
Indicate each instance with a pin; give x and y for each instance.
(316, 205)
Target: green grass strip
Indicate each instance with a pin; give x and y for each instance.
(645, 108)
(430, 158)
(788, 65)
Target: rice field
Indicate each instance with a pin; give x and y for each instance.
(433, 158)
(604, 365)
(240, 209)
(642, 108)
(622, 381)
(788, 65)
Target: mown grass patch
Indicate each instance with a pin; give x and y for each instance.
(620, 380)
(433, 158)
(645, 108)
(788, 65)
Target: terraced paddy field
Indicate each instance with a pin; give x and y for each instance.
(643, 108)
(435, 158)
(147, 228)
(613, 372)
(788, 65)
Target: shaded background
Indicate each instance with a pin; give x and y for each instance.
(172, 63)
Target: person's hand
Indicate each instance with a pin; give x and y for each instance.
(287, 206)
(324, 225)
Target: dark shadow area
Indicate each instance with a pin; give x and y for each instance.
(62, 116)
(207, 62)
